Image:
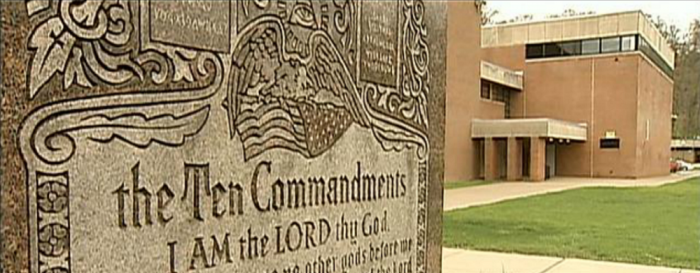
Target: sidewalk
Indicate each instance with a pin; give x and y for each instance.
(468, 261)
(501, 191)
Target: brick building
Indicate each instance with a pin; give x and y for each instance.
(586, 96)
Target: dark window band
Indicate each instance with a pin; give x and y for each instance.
(598, 46)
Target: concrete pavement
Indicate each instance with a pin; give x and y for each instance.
(501, 191)
(469, 261)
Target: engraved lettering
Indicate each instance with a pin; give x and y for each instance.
(356, 186)
(379, 43)
(217, 191)
(235, 199)
(290, 235)
(344, 189)
(296, 192)
(143, 192)
(165, 196)
(278, 195)
(171, 247)
(317, 190)
(220, 250)
(195, 174)
(254, 186)
(121, 193)
(199, 255)
(342, 110)
(252, 246)
(332, 195)
(171, 18)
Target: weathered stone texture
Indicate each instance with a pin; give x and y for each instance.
(249, 136)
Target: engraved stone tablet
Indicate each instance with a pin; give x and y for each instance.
(208, 21)
(222, 136)
(380, 42)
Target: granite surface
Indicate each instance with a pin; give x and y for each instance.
(222, 136)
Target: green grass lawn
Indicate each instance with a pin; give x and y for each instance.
(654, 226)
(464, 184)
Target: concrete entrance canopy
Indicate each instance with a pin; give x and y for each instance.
(688, 144)
(538, 127)
(515, 131)
(687, 150)
(502, 75)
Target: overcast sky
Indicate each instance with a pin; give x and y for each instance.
(679, 13)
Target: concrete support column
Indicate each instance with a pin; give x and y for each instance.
(490, 159)
(515, 156)
(538, 153)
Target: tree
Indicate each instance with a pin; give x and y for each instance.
(487, 14)
(571, 13)
(669, 31)
(694, 36)
(686, 91)
(518, 19)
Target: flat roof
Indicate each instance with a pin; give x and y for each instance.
(577, 28)
(529, 127)
(502, 75)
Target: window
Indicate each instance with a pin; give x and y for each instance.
(485, 90)
(571, 48)
(629, 43)
(609, 143)
(646, 48)
(590, 46)
(643, 45)
(497, 93)
(500, 93)
(535, 51)
(552, 50)
(597, 46)
(610, 45)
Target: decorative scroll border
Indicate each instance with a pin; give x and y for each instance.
(92, 44)
(398, 117)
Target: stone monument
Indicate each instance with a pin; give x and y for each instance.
(222, 136)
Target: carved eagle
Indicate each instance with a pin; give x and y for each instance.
(290, 88)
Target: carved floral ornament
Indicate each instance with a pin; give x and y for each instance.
(91, 43)
(95, 35)
(94, 43)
